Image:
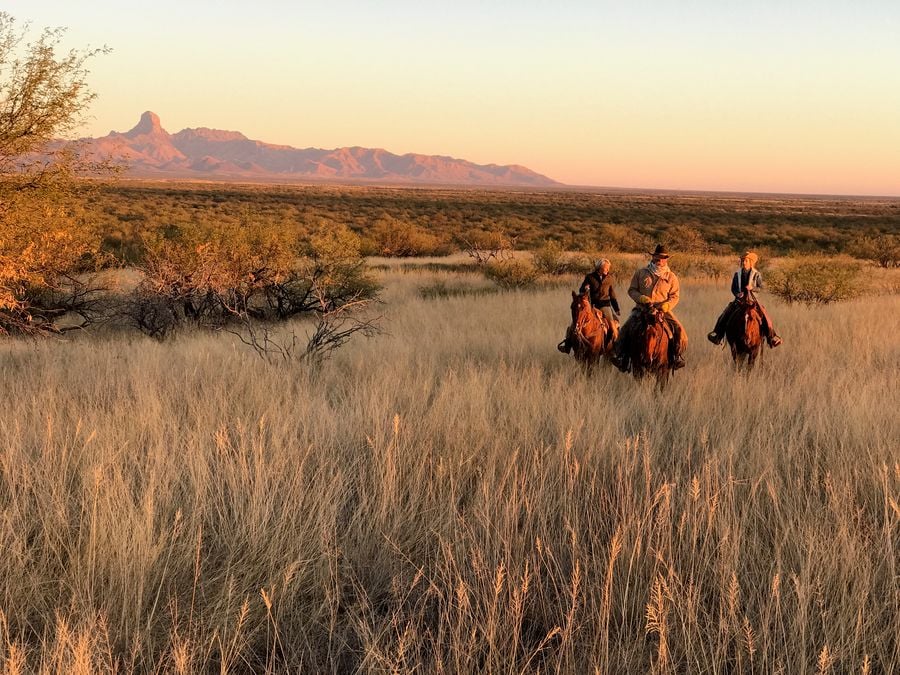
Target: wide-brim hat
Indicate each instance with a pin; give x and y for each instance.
(660, 251)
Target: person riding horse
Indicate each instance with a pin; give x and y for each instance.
(745, 281)
(603, 297)
(657, 285)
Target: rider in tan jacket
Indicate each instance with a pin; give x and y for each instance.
(654, 284)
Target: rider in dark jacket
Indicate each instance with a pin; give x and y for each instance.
(603, 297)
(746, 280)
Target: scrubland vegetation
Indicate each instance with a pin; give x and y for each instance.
(454, 496)
(422, 222)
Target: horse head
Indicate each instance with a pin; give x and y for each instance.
(581, 303)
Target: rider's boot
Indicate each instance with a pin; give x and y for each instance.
(774, 341)
(715, 338)
(564, 346)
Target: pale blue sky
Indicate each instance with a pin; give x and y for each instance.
(801, 96)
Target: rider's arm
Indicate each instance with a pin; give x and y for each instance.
(634, 289)
(612, 298)
(736, 284)
(584, 284)
(674, 293)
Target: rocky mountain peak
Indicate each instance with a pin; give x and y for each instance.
(149, 124)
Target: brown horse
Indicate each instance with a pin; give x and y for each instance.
(591, 331)
(744, 332)
(647, 347)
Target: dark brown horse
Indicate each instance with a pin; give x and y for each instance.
(647, 348)
(744, 332)
(591, 332)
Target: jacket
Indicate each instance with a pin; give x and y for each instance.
(603, 294)
(659, 288)
(754, 282)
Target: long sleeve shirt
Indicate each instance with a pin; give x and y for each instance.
(744, 280)
(663, 287)
(603, 293)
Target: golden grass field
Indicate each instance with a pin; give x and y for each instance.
(455, 496)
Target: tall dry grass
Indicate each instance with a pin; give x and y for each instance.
(454, 496)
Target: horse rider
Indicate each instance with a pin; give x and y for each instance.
(603, 297)
(747, 279)
(654, 284)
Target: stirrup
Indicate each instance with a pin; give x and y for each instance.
(563, 347)
(714, 338)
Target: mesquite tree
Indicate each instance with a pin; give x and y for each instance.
(47, 245)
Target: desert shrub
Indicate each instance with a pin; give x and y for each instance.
(221, 276)
(48, 248)
(510, 274)
(815, 281)
(151, 313)
(615, 237)
(687, 239)
(702, 266)
(487, 246)
(49, 259)
(391, 237)
(550, 258)
(580, 263)
(883, 250)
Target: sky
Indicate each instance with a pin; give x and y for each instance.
(764, 96)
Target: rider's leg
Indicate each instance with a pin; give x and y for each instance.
(611, 322)
(566, 345)
(768, 328)
(719, 331)
(678, 344)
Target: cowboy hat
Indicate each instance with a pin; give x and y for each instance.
(661, 251)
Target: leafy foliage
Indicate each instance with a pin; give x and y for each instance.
(816, 281)
(882, 249)
(229, 275)
(392, 237)
(550, 258)
(48, 245)
(577, 221)
(510, 274)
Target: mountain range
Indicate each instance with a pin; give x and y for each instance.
(148, 150)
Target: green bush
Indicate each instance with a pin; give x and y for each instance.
(511, 274)
(391, 237)
(550, 259)
(883, 250)
(816, 281)
(702, 267)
